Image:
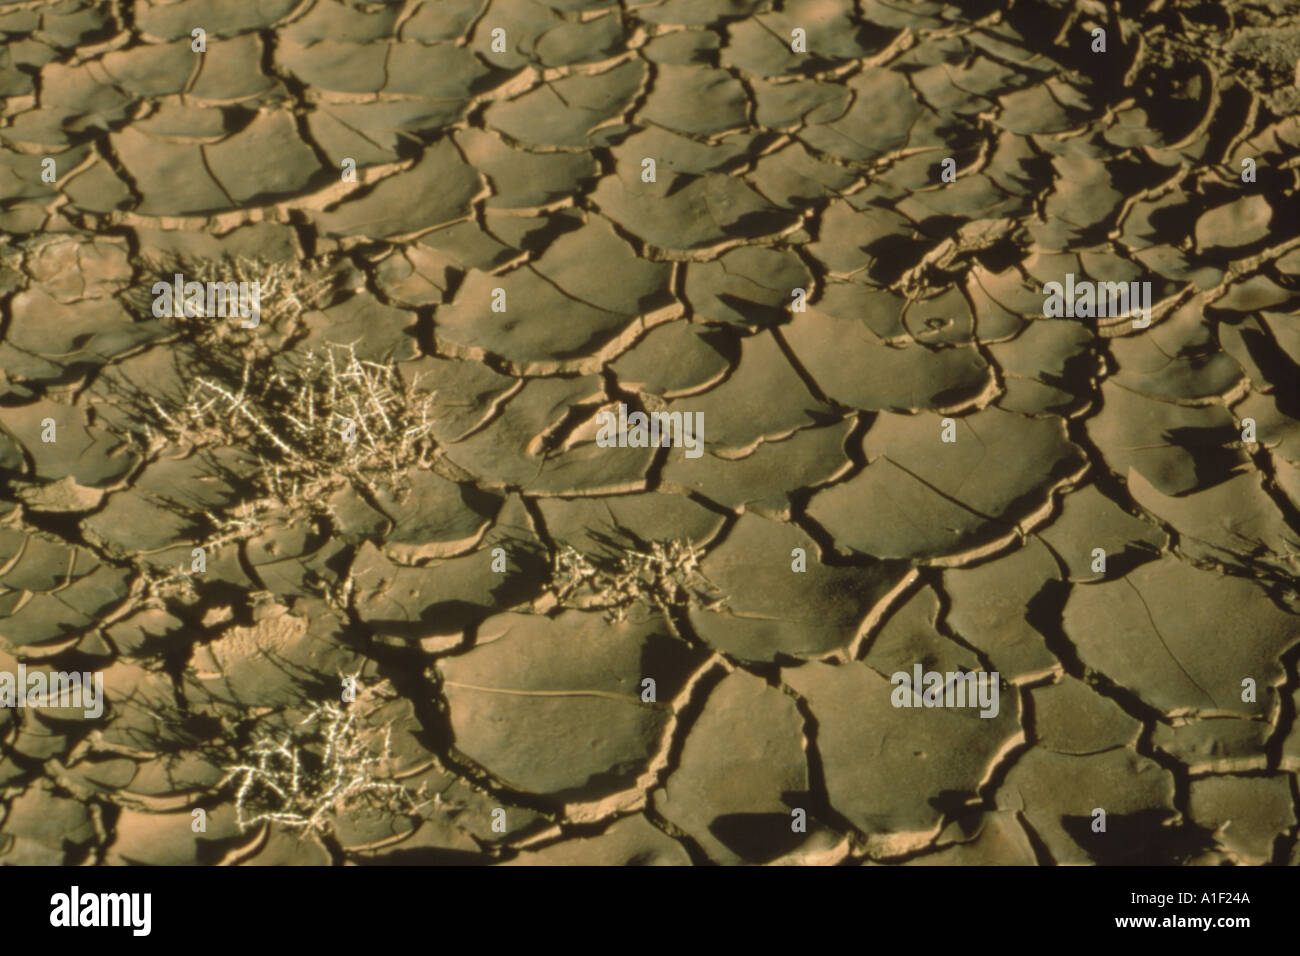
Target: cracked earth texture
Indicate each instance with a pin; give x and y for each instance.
(496, 585)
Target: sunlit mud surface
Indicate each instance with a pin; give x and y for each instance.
(365, 585)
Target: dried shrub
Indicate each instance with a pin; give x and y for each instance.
(331, 763)
(667, 576)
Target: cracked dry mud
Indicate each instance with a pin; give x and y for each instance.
(497, 586)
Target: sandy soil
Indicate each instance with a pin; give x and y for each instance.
(362, 579)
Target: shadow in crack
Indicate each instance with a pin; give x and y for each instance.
(425, 856)
(1145, 838)
(757, 837)
(1277, 367)
(1213, 455)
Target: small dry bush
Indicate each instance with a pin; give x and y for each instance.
(287, 289)
(331, 763)
(313, 422)
(666, 576)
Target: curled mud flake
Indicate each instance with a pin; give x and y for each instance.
(1246, 813)
(1059, 794)
(948, 498)
(522, 709)
(911, 634)
(741, 774)
(781, 600)
(809, 458)
(1156, 640)
(1071, 717)
(632, 841)
(996, 606)
(880, 759)
(46, 828)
